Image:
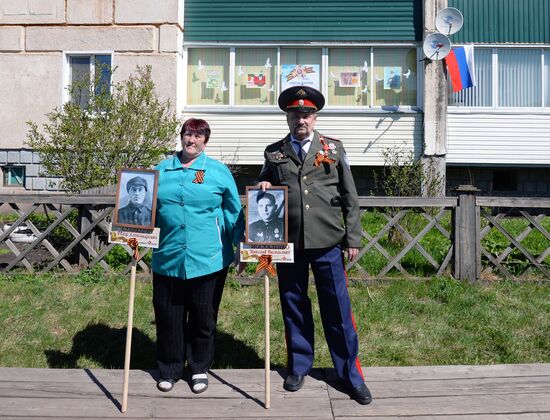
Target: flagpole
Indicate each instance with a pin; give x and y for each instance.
(267, 344)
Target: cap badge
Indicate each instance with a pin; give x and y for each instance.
(301, 102)
(301, 92)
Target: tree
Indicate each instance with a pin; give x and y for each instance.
(105, 128)
(404, 176)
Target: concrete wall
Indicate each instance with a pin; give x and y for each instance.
(35, 33)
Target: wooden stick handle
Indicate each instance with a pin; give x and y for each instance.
(267, 348)
(129, 336)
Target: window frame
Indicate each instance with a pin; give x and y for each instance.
(234, 108)
(66, 74)
(495, 107)
(5, 168)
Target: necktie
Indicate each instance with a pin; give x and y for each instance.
(302, 154)
(301, 151)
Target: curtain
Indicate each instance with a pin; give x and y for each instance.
(519, 77)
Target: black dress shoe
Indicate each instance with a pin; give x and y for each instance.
(293, 382)
(361, 394)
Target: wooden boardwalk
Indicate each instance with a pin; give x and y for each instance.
(431, 392)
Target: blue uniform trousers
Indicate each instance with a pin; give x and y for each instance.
(334, 303)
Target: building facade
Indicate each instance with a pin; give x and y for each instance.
(47, 44)
(499, 131)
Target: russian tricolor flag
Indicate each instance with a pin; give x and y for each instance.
(460, 67)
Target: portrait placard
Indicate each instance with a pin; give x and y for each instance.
(266, 216)
(136, 198)
(279, 253)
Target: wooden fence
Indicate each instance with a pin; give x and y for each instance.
(468, 237)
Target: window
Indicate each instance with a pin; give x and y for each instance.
(14, 176)
(301, 66)
(546, 78)
(84, 69)
(208, 76)
(519, 78)
(255, 75)
(394, 77)
(482, 93)
(348, 77)
(504, 180)
(508, 78)
(255, 78)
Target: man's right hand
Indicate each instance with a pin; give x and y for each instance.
(264, 185)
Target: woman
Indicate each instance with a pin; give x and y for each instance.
(200, 218)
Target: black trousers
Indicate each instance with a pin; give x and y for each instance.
(186, 312)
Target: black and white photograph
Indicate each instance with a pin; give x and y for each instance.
(266, 216)
(136, 198)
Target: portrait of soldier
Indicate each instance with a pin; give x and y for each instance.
(270, 227)
(136, 212)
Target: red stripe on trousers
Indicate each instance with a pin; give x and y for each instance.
(357, 362)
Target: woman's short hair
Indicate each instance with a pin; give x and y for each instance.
(196, 125)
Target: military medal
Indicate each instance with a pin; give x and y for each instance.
(278, 155)
(322, 155)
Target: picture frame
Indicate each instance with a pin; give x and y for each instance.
(266, 216)
(136, 198)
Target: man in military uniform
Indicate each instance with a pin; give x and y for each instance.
(269, 228)
(321, 193)
(136, 212)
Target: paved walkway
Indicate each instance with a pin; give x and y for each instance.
(430, 392)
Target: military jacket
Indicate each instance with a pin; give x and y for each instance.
(272, 231)
(323, 207)
(135, 215)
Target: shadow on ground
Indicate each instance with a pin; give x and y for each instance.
(105, 346)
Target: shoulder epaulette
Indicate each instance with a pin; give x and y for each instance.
(329, 138)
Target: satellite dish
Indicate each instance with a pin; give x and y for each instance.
(449, 21)
(436, 46)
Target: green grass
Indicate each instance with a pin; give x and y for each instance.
(79, 321)
(437, 245)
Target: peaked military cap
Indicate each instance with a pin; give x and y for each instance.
(301, 98)
(136, 181)
(265, 194)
